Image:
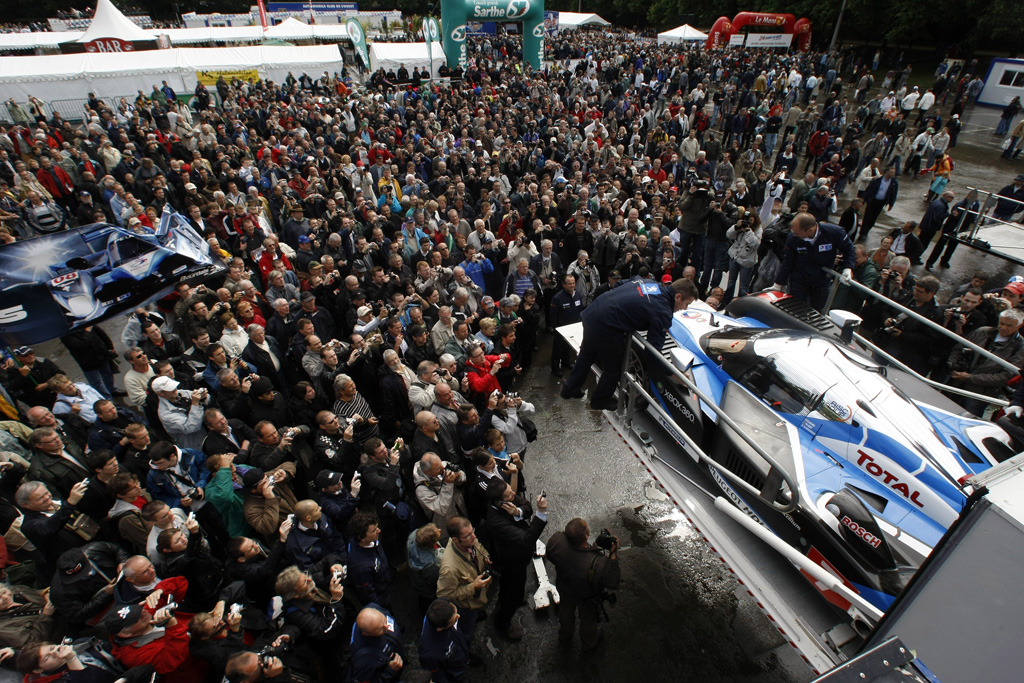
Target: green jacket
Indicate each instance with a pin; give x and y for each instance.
(221, 493)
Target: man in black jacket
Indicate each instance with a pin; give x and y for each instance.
(53, 464)
(583, 574)
(257, 566)
(913, 342)
(82, 588)
(880, 193)
(45, 521)
(265, 354)
(108, 429)
(93, 351)
(227, 436)
(514, 531)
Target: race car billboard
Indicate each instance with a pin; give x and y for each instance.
(54, 284)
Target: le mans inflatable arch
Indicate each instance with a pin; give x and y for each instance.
(723, 29)
(455, 14)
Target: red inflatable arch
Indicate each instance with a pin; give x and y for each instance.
(723, 29)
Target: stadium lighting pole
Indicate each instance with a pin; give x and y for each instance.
(835, 32)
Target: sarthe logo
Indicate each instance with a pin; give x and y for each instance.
(517, 8)
(459, 33)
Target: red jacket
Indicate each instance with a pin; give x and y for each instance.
(481, 381)
(818, 142)
(169, 655)
(56, 181)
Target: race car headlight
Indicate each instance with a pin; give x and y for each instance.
(80, 305)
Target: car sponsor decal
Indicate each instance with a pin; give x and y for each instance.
(862, 533)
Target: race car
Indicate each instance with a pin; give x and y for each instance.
(879, 459)
(53, 284)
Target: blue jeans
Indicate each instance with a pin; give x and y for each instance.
(896, 163)
(716, 260)
(102, 380)
(1004, 125)
(742, 273)
(691, 246)
(769, 141)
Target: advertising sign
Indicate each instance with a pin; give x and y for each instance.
(737, 40)
(769, 40)
(54, 284)
(358, 37)
(210, 77)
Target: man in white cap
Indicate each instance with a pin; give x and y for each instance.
(181, 412)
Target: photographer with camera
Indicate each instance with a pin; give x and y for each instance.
(585, 575)
(974, 372)
(693, 223)
(158, 639)
(439, 486)
(913, 342)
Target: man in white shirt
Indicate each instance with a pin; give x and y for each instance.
(136, 380)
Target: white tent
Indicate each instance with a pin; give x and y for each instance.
(293, 29)
(568, 20)
(287, 30)
(108, 22)
(391, 55)
(681, 34)
(63, 77)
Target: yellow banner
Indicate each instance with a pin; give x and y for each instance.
(210, 77)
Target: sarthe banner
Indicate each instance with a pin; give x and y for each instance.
(54, 284)
(358, 37)
(431, 34)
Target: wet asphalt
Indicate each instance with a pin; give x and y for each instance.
(680, 615)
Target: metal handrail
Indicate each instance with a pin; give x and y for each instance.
(784, 475)
(980, 219)
(920, 318)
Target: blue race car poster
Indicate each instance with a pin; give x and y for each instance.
(54, 284)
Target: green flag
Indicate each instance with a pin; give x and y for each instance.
(433, 34)
(358, 38)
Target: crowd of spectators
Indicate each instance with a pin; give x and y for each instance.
(344, 403)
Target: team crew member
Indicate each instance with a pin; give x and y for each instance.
(810, 247)
(607, 324)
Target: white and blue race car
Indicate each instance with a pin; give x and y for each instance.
(879, 458)
(55, 283)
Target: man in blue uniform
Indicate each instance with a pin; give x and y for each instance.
(810, 247)
(607, 324)
(376, 648)
(444, 647)
(566, 307)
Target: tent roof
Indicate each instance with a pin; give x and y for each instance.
(574, 19)
(100, 64)
(185, 36)
(686, 32)
(108, 22)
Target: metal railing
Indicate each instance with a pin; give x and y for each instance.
(629, 385)
(971, 221)
(1002, 362)
(70, 110)
(916, 316)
